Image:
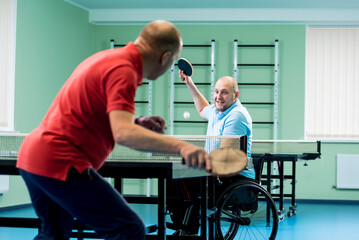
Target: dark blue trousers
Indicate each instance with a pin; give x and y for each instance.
(89, 198)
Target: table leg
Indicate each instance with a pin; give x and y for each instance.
(293, 208)
(204, 206)
(211, 206)
(281, 186)
(118, 184)
(162, 208)
(269, 175)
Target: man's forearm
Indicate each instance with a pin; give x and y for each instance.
(199, 100)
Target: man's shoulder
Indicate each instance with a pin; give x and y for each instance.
(236, 112)
(209, 110)
(239, 115)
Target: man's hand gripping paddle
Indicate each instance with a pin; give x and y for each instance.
(185, 66)
(226, 162)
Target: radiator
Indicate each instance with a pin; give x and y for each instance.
(348, 171)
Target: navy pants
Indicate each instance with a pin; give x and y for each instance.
(89, 198)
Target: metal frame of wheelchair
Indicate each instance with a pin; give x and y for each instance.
(260, 222)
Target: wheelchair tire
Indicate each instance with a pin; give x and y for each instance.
(260, 222)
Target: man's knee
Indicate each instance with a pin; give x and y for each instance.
(139, 230)
(133, 231)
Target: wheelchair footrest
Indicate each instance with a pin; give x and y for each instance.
(211, 211)
(171, 226)
(151, 229)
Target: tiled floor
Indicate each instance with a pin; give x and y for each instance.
(314, 221)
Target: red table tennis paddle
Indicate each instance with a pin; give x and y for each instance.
(226, 162)
(185, 66)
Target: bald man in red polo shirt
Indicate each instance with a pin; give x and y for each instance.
(94, 110)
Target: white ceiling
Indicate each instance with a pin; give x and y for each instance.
(312, 12)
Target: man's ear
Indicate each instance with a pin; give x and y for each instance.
(237, 95)
(166, 56)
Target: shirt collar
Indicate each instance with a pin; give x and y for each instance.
(223, 114)
(136, 58)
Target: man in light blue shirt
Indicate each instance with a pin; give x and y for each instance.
(226, 116)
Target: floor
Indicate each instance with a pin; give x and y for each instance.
(313, 221)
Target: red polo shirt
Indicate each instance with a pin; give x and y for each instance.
(76, 130)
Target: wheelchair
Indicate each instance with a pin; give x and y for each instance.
(245, 210)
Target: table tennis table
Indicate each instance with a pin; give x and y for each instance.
(278, 152)
(127, 163)
(151, 165)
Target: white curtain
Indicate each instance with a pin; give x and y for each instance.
(332, 83)
(7, 63)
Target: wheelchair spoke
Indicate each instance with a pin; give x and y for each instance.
(259, 222)
(258, 231)
(230, 214)
(228, 220)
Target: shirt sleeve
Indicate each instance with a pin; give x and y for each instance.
(121, 89)
(208, 112)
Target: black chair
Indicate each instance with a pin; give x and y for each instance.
(245, 210)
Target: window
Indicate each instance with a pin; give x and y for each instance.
(332, 83)
(7, 63)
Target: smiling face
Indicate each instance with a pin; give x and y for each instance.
(225, 93)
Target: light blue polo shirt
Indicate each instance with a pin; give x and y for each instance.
(234, 121)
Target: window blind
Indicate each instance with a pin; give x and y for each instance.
(332, 83)
(7, 63)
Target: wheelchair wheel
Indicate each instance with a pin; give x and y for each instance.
(238, 219)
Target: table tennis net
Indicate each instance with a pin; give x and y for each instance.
(209, 143)
(10, 144)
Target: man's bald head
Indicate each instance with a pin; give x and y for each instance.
(162, 36)
(160, 44)
(230, 81)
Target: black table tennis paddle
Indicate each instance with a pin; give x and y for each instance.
(185, 66)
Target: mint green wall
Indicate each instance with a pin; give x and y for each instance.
(317, 180)
(52, 37)
(291, 59)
